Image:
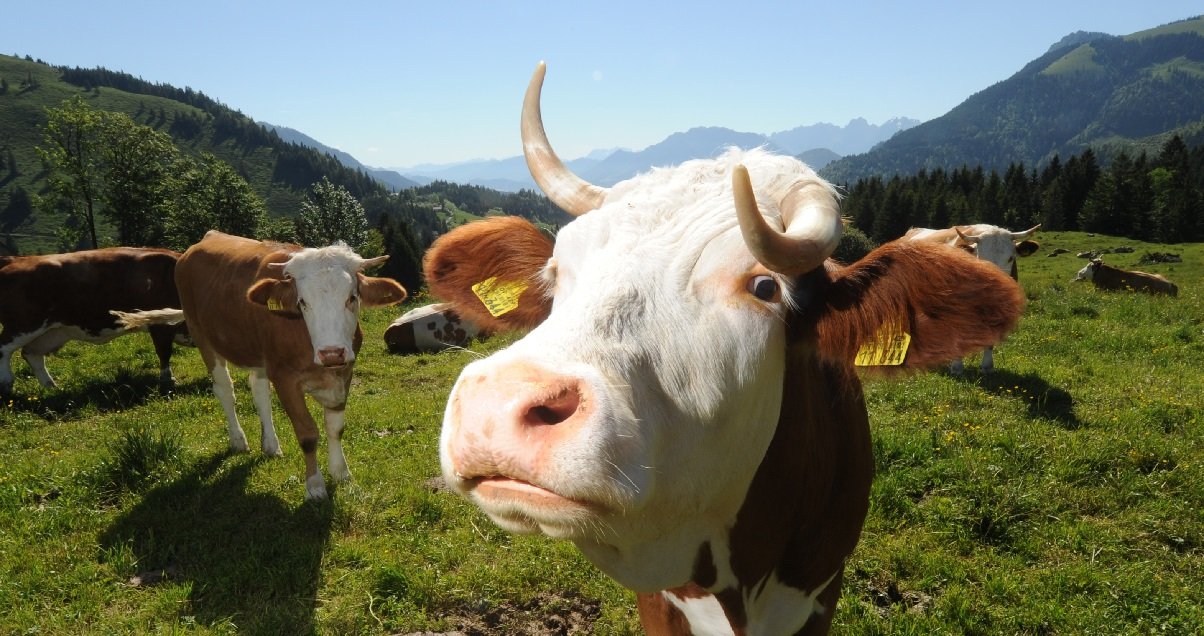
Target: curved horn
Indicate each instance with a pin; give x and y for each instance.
(968, 239)
(1027, 233)
(572, 193)
(813, 226)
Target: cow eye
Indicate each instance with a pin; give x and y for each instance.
(301, 303)
(352, 300)
(764, 287)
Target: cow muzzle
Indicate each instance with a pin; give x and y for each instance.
(334, 357)
(513, 435)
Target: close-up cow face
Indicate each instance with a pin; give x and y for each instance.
(658, 353)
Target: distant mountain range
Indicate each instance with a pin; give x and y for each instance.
(821, 143)
(1090, 90)
(390, 178)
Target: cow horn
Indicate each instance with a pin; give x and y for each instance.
(1027, 233)
(572, 193)
(813, 226)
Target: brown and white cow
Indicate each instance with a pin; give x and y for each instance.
(429, 329)
(290, 316)
(685, 408)
(47, 301)
(990, 243)
(1107, 277)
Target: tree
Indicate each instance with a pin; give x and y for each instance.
(331, 214)
(72, 158)
(137, 179)
(210, 195)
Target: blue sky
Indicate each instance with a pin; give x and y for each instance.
(402, 83)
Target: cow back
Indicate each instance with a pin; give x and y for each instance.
(213, 277)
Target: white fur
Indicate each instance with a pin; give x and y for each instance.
(326, 282)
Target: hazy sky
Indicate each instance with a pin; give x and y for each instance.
(401, 83)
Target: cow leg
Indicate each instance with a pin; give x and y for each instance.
(37, 363)
(988, 360)
(8, 346)
(336, 461)
(306, 429)
(163, 336)
(957, 367)
(223, 388)
(261, 392)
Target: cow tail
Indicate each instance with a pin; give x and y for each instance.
(143, 319)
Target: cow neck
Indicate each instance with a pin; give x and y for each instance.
(778, 569)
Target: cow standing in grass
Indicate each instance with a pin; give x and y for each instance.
(685, 408)
(47, 301)
(992, 244)
(291, 316)
(1107, 277)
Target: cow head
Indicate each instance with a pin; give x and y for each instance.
(1088, 272)
(999, 246)
(667, 321)
(326, 288)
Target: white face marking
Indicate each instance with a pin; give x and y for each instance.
(996, 246)
(1087, 273)
(327, 294)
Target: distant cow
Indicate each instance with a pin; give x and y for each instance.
(430, 328)
(989, 243)
(1108, 277)
(291, 316)
(685, 407)
(46, 301)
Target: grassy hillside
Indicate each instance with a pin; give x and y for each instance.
(279, 172)
(1112, 93)
(1060, 495)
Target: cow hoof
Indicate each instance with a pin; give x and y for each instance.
(239, 445)
(340, 473)
(273, 451)
(315, 488)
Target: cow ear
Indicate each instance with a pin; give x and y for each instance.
(488, 271)
(1027, 248)
(909, 304)
(279, 296)
(380, 292)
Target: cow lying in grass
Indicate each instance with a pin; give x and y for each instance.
(1107, 277)
(685, 407)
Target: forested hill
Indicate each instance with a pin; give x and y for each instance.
(279, 172)
(1108, 93)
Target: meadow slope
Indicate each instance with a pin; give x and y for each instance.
(1062, 494)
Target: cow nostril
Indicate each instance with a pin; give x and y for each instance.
(554, 410)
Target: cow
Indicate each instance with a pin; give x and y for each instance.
(1107, 277)
(990, 243)
(429, 328)
(289, 315)
(49, 300)
(685, 407)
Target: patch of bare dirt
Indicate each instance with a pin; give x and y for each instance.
(546, 615)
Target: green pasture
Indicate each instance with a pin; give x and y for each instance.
(1063, 494)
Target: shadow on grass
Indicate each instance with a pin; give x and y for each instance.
(1042, 398)
(124, 391)
(247, 558)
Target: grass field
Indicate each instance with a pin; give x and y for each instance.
(1063, 494)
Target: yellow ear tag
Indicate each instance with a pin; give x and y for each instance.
(499, 297)
(275, 305)
(888, 348)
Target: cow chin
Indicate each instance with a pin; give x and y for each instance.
(525, 508)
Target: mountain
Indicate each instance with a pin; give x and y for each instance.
(390, 178)
(1089, 90)
(821, 143)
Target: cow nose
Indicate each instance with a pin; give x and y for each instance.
(332, 356)
(510, 420)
